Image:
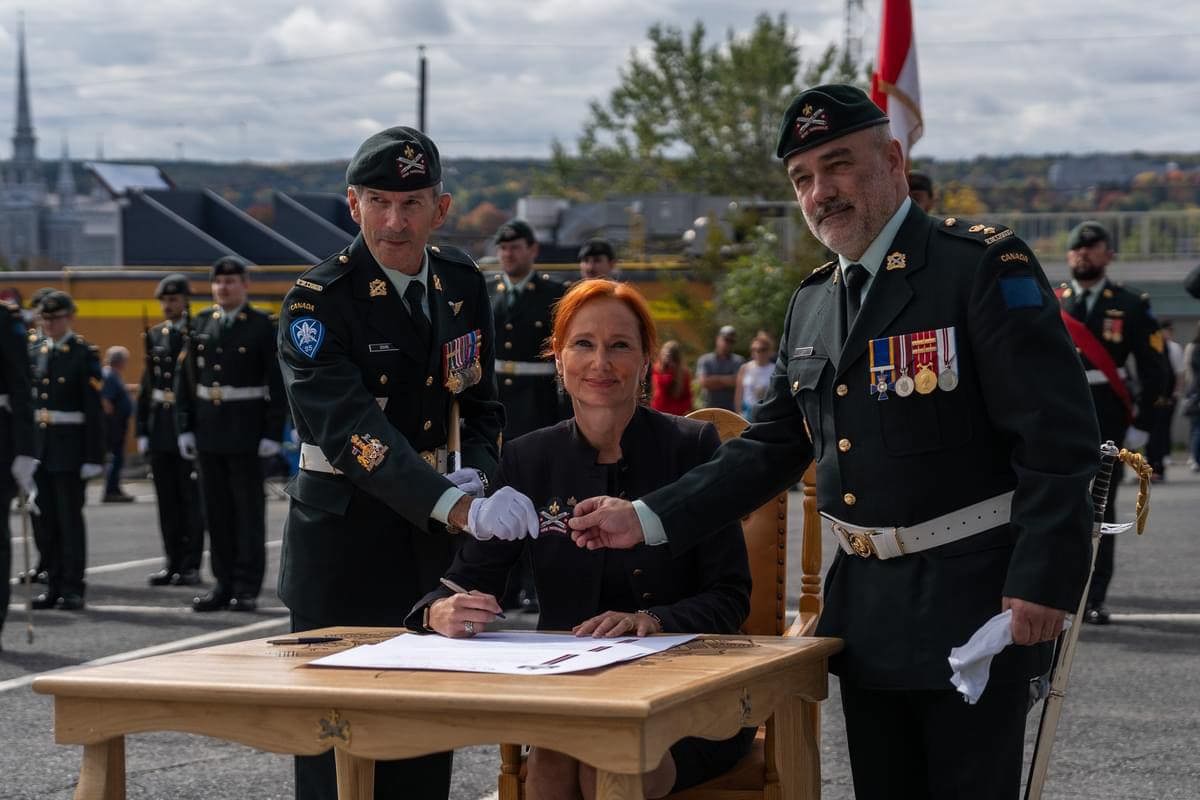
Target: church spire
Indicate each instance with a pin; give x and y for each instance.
(24, 159)
(65, 187)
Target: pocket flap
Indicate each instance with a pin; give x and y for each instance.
(328, 493)
(805, 373)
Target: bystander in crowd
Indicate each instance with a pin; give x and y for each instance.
(718, 371)
(671, 387)
(755, 376)
(118, 408)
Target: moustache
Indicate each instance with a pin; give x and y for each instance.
(828, 209)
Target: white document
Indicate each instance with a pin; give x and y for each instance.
(503, 652)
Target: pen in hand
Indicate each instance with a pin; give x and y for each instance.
(454, 587)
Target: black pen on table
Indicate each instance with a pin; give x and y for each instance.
(454, 587)
(306, 640)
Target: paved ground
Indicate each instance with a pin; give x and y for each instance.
(1130, 730)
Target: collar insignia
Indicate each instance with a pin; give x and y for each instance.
(896, 260)
(377, 288)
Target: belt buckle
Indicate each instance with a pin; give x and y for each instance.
(430, 457)
(168, 396)
(860, 542)
(43, 416)
(510, 368)
(214, 394)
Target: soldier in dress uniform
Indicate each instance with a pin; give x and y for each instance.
(32, 319)
(176, 484)
(230, 408)
(17, 461)
(1109, 324)
(69, 443)
(379, 344)
(927, 373)
(597, 259)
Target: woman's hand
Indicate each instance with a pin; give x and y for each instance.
(611, 624)
(460, 616)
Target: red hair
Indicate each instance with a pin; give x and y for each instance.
(585, 292)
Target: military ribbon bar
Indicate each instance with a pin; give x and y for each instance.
(460, 361)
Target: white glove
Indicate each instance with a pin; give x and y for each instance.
(23, 468)
(468, 480)
(187, 445)
(1136, 438)
(294, 437)
(89, 471)
(268, 448)
(143, 444)
(507, 515)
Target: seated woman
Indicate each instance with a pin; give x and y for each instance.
(602, 341)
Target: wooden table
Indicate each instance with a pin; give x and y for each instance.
(620, 719)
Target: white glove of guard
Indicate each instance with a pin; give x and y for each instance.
(268, 448)
(507, 515)
(89, 471)
(468, 481)
(1136, 438)
(187, 445)
(143, 444)
(23, 468)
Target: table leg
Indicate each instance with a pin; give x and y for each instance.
(355, 776)
(618, 786)
(102, 775)
(797, 749)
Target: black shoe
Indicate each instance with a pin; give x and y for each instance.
(244, 603)
(1096, 615)
(213, 601)
(118, 497)
(164, 577)
(70, 602)
(189, 577)
(44, 601)
(33, 576)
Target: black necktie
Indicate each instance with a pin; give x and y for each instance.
(856, 276)
(412, 296)
(1079, 310)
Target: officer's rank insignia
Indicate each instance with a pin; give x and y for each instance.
(412, 162)
(316, 287)
(921, 361)
(553, 518)
(368, 451)
(437, 282)
(810, 121)
(1114, 330)
(456, 306)
(307, 335)
(460, 361)
(897, 260)
(377, 288)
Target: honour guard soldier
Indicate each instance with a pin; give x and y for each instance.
(385, 347)
(180, 515)
(597, 259)
(230, 408)
(927, 373)
(69, 443)
(17, 462)
(1109, 324)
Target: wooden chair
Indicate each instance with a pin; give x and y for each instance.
(765, 529)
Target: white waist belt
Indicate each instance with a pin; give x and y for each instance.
(1095, 377)
(313, 460)
(48, 417)
(218, 394)
(4, 402)
(162, 396)
(884, 543)
(525, 367)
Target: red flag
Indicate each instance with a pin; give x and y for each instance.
(895, 86)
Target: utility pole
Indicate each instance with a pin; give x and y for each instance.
(421, 79)
(852, 46)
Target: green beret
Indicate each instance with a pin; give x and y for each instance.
(1086, 234)
(515, 229)
(400, 159)
(228, 265)
(56, 302)
(824, 113)
(920, 182)
(596, 247)
(174, 283)
(38, 296)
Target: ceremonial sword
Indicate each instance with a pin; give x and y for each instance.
(24, 505)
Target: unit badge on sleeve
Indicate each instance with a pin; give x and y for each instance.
(553, 518)
(460, 361)
(368, 451)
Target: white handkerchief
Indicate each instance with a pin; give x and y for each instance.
(971, 663)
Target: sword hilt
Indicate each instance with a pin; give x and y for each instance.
(1102, 483)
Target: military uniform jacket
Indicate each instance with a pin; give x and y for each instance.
(361, 546)
(16, 418)
(66, 377)
(1122, 322)
(706, 590)
(522, 328)
(1020, 420)
(156, 417)
(239, 355)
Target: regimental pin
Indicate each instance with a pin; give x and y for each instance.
(437, 282)
(377, 288)
(896, 260)
(456, 306)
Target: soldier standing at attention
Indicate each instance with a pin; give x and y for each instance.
(17, 463)
(597, 259)
(379, 344)
(180, 514)
(229, 411)
(927, 373)
(1108, 324)
(69, 443)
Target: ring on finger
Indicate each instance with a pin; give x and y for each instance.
(469, 627)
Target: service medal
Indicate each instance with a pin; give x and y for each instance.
(925, 381)
(904, 385)
(947, 381)
(948, 356)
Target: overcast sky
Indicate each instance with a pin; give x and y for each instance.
(275, 80)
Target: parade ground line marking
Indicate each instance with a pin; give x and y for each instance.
(154, 650)
(141, 562)
(1166, 616)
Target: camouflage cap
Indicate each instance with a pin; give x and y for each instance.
(399, 159)
(824, 113)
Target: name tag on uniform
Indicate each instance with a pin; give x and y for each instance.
(802, 352)
(382, 347)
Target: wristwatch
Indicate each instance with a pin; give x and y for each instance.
(652, 616)
(482, 479)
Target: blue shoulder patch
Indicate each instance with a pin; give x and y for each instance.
(1021, 292)
(307, 334)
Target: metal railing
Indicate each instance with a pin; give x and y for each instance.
(1137, 235)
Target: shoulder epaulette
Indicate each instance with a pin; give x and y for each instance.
(321, 276)
(455, 255)
(819, 274)
(986, 235)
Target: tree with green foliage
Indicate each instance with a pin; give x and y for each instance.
(694, 116)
